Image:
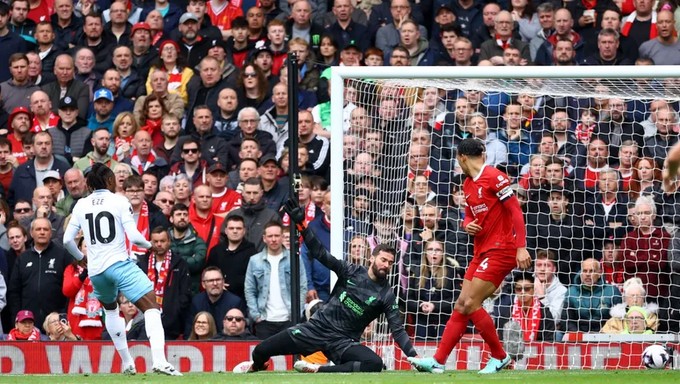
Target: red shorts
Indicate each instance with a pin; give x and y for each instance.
(492, 266)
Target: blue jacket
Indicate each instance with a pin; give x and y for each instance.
(201, 302)
(10, 43)
(586, 309)
(257, 284)
(24, 181)
(318, 275)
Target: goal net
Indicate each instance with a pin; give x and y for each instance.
(584, 148)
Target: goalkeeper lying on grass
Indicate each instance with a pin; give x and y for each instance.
(360, 296)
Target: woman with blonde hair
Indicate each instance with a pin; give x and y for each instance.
(203, 327)
(124, 129)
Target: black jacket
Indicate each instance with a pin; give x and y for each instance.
(36, 282)
(177, 296)
(255, 216)
(232, 263)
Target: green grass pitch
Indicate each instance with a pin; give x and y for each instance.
(406, 377)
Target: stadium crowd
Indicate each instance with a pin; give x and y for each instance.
(187, 102)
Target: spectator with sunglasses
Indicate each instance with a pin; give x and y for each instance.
(234, 327)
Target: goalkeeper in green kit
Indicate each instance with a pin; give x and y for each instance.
(360, 295)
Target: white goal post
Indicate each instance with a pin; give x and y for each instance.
(592, 82)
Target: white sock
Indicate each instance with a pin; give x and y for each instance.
(156, 334)
(115, 325)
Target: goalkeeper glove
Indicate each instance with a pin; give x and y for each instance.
(297, 215)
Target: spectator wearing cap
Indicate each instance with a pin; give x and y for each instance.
(103, 107)
(11, 43)
(19, 124)
(217, 49)
(170, 12)
(53, 182)
(41, 107)
(16, 91)
(97, 40)
(263, 58)
(118, 24)
(254, 212)
(205, 88)
(388, 36)
(345, 30)
(184, 241)
(38, 275)
(24, 328)
(71, 133)
(224, 199)
(275, 190)
(207, 30)
(64, 70)
(560, 231)
(213, 147)
(143, 50)
(193, 47)
(173, 65)
(350, 56)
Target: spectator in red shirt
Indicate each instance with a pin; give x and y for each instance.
(204, 221)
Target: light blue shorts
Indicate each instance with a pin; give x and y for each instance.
(125, 277)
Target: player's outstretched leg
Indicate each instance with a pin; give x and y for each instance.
(115, 326)
(154, 330)
(280, 344)
(426, 364)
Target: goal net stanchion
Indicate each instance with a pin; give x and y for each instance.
(400, 184)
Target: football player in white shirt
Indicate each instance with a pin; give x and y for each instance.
(105, 219)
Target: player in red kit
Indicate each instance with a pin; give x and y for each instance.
(494, 217)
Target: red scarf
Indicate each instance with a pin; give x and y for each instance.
(503, 43)
(143, 227)
(154, 129)
(14, 334)
(159, 280)
(51, 123)
(628, 23)
(119, 141)
(427, 172)
(86, 306)
(530, 322)
(136, 162)
(310, 214)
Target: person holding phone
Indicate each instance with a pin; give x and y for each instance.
(58, 329)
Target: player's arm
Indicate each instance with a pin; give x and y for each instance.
(399, 334)
(131, 230)
(507, 197)
(316, 249)
(70, 234)
(670, 174)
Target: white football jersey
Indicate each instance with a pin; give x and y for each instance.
(102, 216)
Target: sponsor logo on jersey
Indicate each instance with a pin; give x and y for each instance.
(477, 209)
(350, 282)
(351, 304)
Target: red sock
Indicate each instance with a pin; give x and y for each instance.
(454, 330)
(484, 324)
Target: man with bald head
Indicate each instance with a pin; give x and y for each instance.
(76, 188)
(492, 49)
(588, 300)
(43, 207)
(67, 85)
(38, 275)
(300, 24)
(663, 49)
(144, 158)
(201, 217)
(101, 139)
(41, 108)
(564, 30)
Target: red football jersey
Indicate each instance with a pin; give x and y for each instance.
(484, 196)
(226, 201)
